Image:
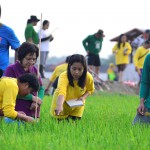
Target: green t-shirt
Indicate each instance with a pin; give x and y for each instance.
(31, 33)
(145, 82)
(93, 44)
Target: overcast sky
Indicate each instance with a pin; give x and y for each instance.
(76, 19)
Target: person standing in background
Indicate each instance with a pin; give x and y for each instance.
(122, 50)
(30, 34)
(139, 58)
(93, 45)
(46, 38)
(7, 39)
(140, 40)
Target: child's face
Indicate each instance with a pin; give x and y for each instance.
(24, 89)
(76, 70)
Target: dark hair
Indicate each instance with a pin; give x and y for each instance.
(80, 59)
(31, 79)
(28, 21)
(45, 22)
(119, 40)
(67, 59)
(100, 33)
(27, 48)
(147, 41)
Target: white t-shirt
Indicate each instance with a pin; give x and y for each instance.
(45, 45)
(137, 42)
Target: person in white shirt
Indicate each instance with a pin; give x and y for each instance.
(46, 38)
(141, 39)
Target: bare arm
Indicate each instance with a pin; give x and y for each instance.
(84, 96)
(59, 105)
(25, 118)
(140, 109)
(48, 86)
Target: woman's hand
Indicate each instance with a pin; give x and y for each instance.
(138, 70)
(58, 109)
(140, 109)
(47, 91)
(115, 52)
(34, 99)
(81, 99)
(33, 106)
(21, 112)
(25, 118)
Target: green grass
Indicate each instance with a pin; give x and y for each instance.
(106, 124)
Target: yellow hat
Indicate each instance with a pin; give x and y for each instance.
(111, 65)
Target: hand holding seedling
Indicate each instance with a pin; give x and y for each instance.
(140, 109)
(33, 106)
(34, 99)
(58, 109)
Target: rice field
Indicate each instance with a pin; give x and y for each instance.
(106, 124)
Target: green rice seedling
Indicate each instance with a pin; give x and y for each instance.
(106, 124)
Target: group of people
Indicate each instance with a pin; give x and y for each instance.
(122, 50)
(18, 94)
(35, 37)
(21, 88)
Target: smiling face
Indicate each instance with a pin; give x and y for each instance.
(76, 70)
(29, 60)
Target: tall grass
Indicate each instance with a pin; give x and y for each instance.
(106, 124)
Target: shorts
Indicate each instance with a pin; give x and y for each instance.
(93, 60)
(121, 67)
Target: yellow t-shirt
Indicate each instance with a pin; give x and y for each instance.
(70, 92)
(120, 57)
(8, 92)
(140, 52)
(58, 70)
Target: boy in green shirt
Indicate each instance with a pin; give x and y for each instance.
(93, 45)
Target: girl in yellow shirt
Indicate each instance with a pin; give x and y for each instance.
(75, 83)
(122, 51)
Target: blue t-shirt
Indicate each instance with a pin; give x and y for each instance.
(7, 39)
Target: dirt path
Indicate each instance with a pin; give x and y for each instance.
(114, 87)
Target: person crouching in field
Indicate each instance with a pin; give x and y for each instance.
(54, 77)
(27, 56)
(75, 83)
(10, 88)
(143, 111)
